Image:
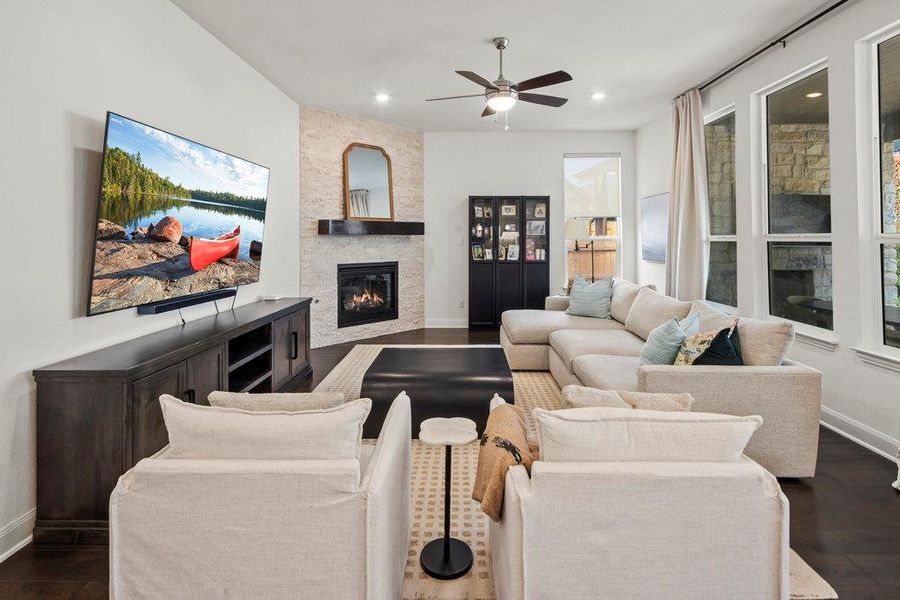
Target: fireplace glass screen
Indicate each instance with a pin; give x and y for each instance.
(367, 293)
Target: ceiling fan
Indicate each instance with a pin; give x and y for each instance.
(502, 94)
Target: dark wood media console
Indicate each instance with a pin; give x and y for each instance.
(98, 414)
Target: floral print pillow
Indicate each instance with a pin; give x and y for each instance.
(694, 346)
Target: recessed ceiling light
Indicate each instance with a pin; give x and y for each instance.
(382, 97)
(814, 95)
(598, 96)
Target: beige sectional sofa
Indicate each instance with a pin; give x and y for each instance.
(604, 353)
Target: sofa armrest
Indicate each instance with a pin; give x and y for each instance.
(388, 515)
(556, 303)
(787, 397)
(507, 537)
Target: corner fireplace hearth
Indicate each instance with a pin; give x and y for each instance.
(367, 293)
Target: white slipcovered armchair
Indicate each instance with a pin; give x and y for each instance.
(191, 528)
(641, 530)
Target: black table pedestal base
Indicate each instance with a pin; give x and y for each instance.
(446, 557)
(455, 563)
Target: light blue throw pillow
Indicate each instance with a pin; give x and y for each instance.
(664, 342)
(590, 299)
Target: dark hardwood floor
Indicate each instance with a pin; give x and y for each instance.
(845, 522)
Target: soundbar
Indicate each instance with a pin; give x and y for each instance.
(185, 301)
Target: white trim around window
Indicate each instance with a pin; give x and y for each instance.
(817, 336)
(872, 349)
(715, 116)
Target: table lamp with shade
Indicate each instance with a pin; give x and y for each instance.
(579, 228)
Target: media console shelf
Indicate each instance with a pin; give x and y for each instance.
(99, 414)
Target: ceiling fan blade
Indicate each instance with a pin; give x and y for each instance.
(455, 97)
(488, 111)
(543, 99)
(543, 81)
(474, 77)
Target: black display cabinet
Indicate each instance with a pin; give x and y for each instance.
(509, 256)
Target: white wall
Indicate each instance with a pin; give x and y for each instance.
(653, 147)
(458, 165)
(859, 399)
(62, 66)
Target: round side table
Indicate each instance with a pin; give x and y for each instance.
(447, 557)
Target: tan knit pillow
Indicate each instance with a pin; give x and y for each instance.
(658, 401)
(577, 396)
(280, 402)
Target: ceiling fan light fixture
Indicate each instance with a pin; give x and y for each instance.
(502, 100)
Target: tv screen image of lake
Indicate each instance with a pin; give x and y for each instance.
(203, 219)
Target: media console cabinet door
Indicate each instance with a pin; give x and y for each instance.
(205, 374)
(299, 339)
(148, 430)
(282, 348)
(290, 350)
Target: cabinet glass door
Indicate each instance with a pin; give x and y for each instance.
(481, 236)
(536, 230)
(509, 248)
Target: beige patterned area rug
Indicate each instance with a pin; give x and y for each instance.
(467, 521)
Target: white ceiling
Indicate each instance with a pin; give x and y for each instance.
(337, 55)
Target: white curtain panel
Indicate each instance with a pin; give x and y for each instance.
(359, 203)
(688, 240)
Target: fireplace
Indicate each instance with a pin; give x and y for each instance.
(367, 293)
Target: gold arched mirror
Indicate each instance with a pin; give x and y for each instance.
(368, 189)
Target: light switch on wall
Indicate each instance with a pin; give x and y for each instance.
(461, 303)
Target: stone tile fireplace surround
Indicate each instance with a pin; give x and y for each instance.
(323, 138)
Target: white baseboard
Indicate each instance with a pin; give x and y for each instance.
(447, 323)
(860, 433)
(16, 535)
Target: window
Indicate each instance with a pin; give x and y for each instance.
(798, 201)
(721, 286)
(888, 53)
(593, 205)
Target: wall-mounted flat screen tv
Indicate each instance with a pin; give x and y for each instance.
(176, 218)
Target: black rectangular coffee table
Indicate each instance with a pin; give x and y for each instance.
(440, 382)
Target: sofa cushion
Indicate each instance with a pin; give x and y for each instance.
(529, 326)
(764, 342)
(230, 433)
(572, 343)
(628, 435)
(577, 396)
(590, 299)
(652, 309)
(293, 402)
(607, 372)
(624, 293)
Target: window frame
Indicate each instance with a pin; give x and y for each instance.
(812, 331)
(619, 218)
(872, 197)
(730, 109)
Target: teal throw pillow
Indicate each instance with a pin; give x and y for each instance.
(664, 342)
(590, 299)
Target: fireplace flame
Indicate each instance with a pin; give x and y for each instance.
(368, 299)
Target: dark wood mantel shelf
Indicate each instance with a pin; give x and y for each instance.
(359, 227)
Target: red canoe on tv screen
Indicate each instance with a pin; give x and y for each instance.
(204, 252)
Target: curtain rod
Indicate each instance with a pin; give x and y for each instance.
(781, 40)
